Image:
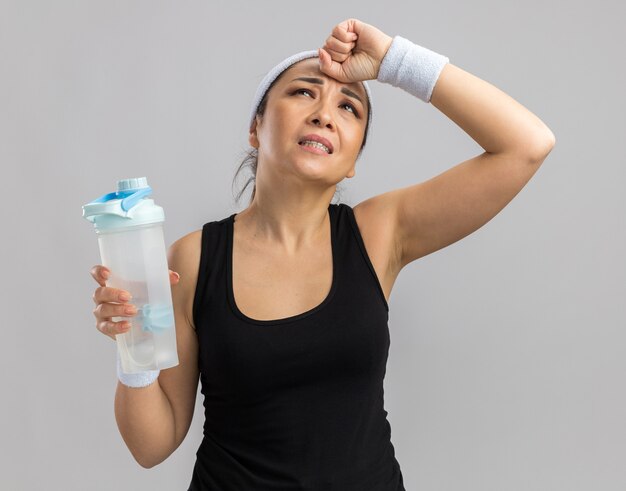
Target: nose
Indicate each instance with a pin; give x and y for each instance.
(321, 122)
(322, 115)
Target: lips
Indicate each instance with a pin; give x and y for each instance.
(319, 139)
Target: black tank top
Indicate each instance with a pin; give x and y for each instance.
(294, 403)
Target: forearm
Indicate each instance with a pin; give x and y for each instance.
(496, 121)
(146, 422)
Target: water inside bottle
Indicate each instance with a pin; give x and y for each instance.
(137, 344)
(150, 343)
(146, 345)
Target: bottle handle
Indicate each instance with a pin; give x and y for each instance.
(129, 198)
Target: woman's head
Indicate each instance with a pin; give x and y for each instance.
(296, 100)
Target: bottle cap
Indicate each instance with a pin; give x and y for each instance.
(127, 207)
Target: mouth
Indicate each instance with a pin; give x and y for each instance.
(316, 142)
(316, 149)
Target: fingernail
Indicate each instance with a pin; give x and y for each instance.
(124, 297)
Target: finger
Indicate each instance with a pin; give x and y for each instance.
(174, 277)
(111, 328)
(107, 294)
(105, 311)
(100, 274)
(330, 67)
(343, 32)
(336, 56)
(339, 46)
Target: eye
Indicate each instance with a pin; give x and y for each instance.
(307, 91)
(356, 113)
(297, 91)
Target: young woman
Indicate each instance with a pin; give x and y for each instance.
(281, 309)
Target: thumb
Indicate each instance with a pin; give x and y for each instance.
(174, 277)
(328, 66)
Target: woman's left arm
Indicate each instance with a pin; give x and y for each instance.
(433, 214)
(428, 216)
(496, 121)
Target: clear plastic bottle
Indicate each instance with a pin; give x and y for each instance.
(129, 227)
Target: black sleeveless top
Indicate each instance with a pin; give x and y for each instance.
(294, 403)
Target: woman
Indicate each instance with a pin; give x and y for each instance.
(282, 309)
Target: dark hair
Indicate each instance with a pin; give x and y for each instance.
(252, 155)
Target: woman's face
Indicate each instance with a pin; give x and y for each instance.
(305, 101)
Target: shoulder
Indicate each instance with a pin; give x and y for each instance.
(183, 257)
(184, 252)
(375, 218)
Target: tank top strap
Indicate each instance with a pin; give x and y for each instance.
(352, 234)
(211, 256)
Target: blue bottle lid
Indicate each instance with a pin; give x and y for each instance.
(127, 207)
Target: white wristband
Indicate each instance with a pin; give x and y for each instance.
(411, 67)
(141, 379)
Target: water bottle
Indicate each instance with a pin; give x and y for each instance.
(129, 227)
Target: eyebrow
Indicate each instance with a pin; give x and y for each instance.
(319, 81)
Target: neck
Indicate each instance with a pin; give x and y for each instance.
(291, 223)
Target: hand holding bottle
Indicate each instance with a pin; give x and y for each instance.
(111, 302)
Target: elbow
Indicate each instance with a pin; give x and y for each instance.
(533, 151)
(536, 151)
(543, 146)
(149, 460)
(148, 463)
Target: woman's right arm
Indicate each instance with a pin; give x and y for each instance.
(154, 420)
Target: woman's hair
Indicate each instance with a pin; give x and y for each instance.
(252, 155)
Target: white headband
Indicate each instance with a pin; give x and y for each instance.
(280, 68)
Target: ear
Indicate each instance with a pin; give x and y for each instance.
(252, 137)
